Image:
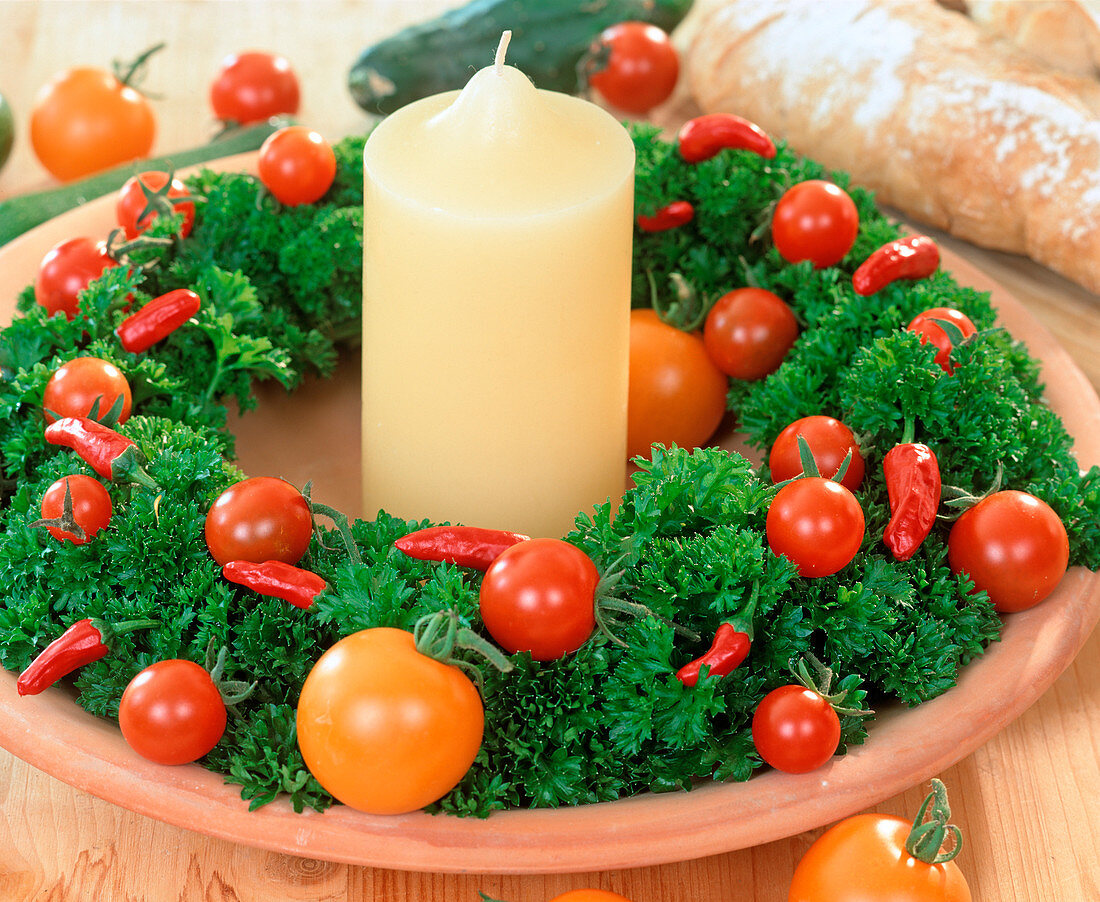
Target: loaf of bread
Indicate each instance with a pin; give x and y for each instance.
(1064, 34)
(941, 120)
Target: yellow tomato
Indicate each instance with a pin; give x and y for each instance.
(384, 728)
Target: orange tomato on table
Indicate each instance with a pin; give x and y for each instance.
(884, 858)
(86, 119)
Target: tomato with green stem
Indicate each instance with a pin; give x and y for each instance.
(831, 443)
(67, 270)
(262, 518)
(252, 86)
(90, 508)
(296, 165)
(84, 384)
(1013, 546)
(677, 396)
(817, 221)
(795, 729)
(538, 596)
(147, 195)
(816, 523)
(748, 332)
(87, 119)
(633, 66)
(885, 857)
(929, 326)
(385, 728)
(172, 712)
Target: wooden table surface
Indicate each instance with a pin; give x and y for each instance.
(1027, 800)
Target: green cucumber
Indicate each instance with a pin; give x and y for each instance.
(23, 212)
(549, 40)
(7, 130)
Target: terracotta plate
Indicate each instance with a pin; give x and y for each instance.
(906, 746)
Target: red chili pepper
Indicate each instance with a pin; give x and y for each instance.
(915, 257)
(913, 488)
(677, 213)
(112, 455)
(704, 136)
(467, 546)
(729, 648)
(85, 641)
(158, 319)
(276, 579)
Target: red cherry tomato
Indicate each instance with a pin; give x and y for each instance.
(795, 729)
(748, 332)
(538, 596)
(384, 728)
(296, 165)
(75, 386)
(91, 507)
(85, 120)
(66, 270)
(259, 519)
(830, 442)
(817, 523)
(1014, 547)
(132, 202)
(864, 858)
(925, 325)
(677, 395)
(642, 66)
(253, 86)
(172, 712)
(816, 221)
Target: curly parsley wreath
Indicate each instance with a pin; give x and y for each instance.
(280, 289)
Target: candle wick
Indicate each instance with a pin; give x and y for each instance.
(502, 48)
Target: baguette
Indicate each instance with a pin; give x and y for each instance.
(940, 119)
(1064, 34)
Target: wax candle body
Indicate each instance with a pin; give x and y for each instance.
(496, 283)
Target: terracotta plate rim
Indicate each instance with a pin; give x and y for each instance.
(905, 747)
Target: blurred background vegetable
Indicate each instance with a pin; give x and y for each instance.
(7, 130)
(86, 119)
(253, 86)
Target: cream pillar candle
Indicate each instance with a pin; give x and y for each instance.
(496, 286)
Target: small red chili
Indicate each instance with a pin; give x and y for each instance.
(158, 319)
(916, 257)
(82, 643)
(112, 455)
(913, 488)
(276, 579)
(677, 213)
(467, 546)
(704, 137)
(729, 648)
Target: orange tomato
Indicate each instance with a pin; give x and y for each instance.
(85, 120)
(590, 895)
(384, 728)
(864, 857)
(677, 394)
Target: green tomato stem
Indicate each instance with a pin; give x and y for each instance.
(926, 839)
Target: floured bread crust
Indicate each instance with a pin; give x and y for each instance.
(1064, 34)
(918, 103)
